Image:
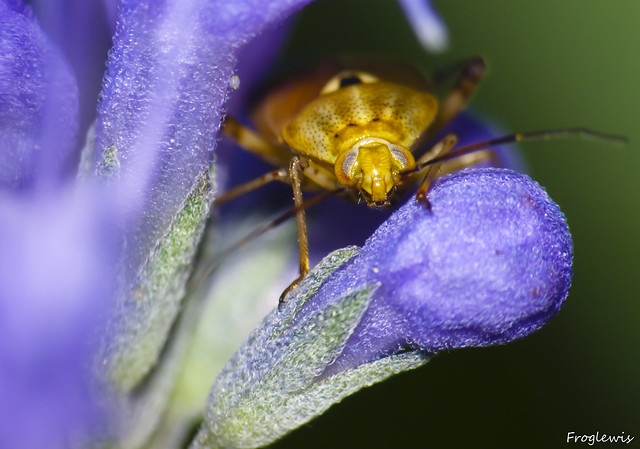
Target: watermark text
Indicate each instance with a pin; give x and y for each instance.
(573, 437)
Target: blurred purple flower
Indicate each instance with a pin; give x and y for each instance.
(56, 246)
(38, 129)
(56, 281)
(427, 25)
(82, 31)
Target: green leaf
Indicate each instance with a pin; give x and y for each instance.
(145, 316)
(220, 316)
(273, 384)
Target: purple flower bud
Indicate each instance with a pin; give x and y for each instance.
(490, 263)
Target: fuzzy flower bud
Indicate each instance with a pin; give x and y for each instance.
(491, 262)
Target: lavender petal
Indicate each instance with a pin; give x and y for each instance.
(38, 104)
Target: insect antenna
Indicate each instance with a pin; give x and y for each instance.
(561, 133)
(208, 268)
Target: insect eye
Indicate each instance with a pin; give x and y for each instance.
(350, 81)
(348, 164)
(402, 157)
(345, 166)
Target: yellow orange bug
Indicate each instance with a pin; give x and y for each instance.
(357, 130)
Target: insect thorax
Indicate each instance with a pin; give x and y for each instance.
(364, 131)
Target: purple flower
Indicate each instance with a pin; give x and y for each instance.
(94, 261)
(490, 264)
(56, 251)
(38, 128)
(426, 24)
(57, 281)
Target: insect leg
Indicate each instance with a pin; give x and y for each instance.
(254, 142)
(295, 170)
(458, 98)
(439, 150)
(206, 270)
(471, 73)
(280, 174)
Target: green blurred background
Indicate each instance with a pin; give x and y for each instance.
(552, 64)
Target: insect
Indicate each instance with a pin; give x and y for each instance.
(358, 131)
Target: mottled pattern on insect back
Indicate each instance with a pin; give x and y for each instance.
(333, 123)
